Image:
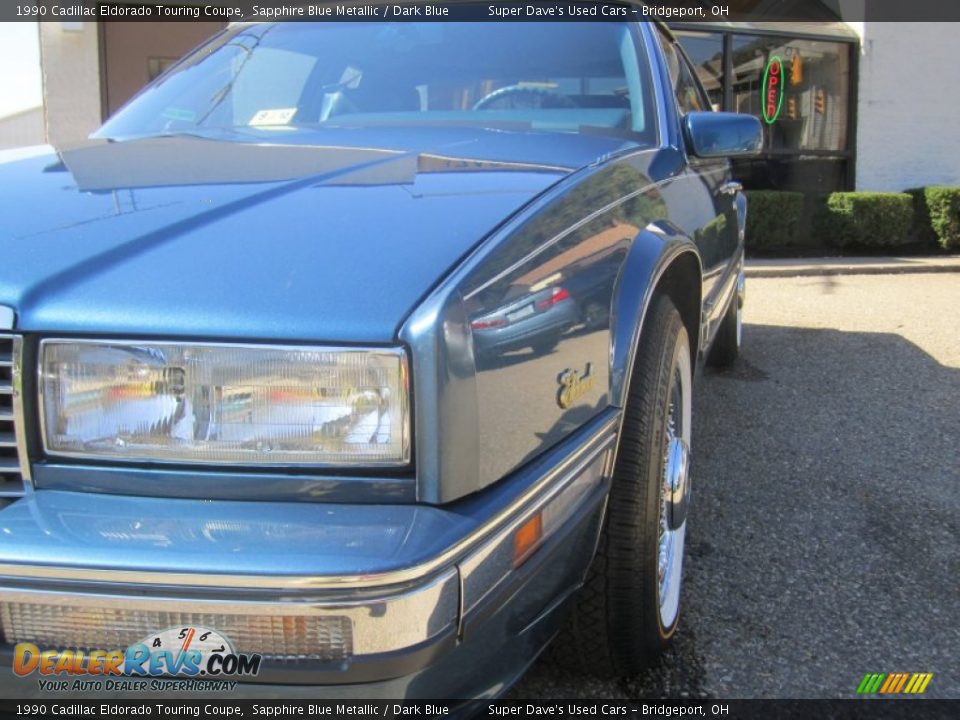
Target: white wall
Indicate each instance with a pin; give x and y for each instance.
(22, 129)
(908, 123)
(21, 84)
(71, 81)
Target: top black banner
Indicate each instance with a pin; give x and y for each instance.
(673, 11)
(57, 707)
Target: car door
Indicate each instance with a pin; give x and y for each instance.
(710, 195)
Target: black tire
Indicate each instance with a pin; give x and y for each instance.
(726, 345)
(616, 628)
(595, 316)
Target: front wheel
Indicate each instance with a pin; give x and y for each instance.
(630, 605)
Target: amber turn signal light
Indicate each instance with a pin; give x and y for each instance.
(527, 539)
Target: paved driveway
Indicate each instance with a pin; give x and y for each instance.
(825, 534)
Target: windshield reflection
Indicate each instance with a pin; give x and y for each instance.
(290, 78)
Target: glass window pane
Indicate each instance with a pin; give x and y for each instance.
(804, 105)
(554, 77)
(801, 174)
(689, 98)
(705, 51)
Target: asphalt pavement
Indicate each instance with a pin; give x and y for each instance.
(824, 539)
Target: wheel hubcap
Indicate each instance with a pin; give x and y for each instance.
(674, 498)
(677, 473)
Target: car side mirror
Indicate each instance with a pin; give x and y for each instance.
(722, 134)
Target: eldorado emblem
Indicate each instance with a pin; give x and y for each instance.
(573, 385)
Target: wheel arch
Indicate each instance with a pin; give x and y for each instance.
(682, 282)
(653, 268)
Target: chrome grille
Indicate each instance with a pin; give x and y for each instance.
(11, 473)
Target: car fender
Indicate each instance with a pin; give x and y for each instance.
(657, 249)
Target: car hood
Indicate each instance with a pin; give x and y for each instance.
(327, 237)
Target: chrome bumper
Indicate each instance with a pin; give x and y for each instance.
(405, 580)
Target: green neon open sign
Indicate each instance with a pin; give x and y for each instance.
(772, 89)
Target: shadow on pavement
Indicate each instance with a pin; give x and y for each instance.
(825, 525)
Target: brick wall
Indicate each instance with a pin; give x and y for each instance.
(71, 81)
(908, 129)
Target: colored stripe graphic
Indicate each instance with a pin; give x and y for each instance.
(918, 683)
(894, 683)
(871, 683)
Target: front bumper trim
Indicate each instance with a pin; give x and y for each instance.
(398, 619)
(599, 440)
(427, 611)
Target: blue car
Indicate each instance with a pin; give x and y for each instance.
(357, 360)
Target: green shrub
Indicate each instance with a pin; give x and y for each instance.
(773, 218)
(865, 219)
(937, 215)
(922, 232)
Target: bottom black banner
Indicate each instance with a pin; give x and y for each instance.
(746, 709)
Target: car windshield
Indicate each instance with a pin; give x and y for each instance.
(286, 77)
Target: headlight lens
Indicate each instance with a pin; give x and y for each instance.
(212, 403)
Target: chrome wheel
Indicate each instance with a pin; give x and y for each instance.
(630, 607)
(674, 493)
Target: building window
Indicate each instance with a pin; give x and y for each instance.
(799, 87)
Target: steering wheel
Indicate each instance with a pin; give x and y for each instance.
(516, 97)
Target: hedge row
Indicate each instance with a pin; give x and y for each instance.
(865, 219)
(774, 218)
(937, 215)
(929, 216)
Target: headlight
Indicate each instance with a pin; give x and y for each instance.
(215, 403)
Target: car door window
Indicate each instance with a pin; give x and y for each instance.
(686, 88)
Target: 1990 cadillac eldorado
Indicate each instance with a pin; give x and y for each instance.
(363, 353)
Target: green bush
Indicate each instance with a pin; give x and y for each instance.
(865, 220)
(937, 215)
(922, 232)
(773, 218)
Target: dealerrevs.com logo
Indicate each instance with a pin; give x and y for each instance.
(183, 653)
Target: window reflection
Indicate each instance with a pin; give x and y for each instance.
(816, 75)
(814, 114)
(807, 135)
(705, 51)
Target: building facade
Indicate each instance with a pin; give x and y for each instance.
(907, 105)
(858, 105)
(21, 129)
